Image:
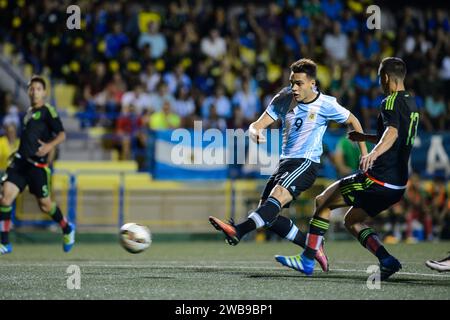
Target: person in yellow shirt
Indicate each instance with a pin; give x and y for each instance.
(164, 119)
(9, 143)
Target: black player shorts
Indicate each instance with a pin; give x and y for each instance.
(23, 173)
(360, 191)
(296, 175)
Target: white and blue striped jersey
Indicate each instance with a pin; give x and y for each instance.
(304, 123)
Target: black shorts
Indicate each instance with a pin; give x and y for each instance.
(361, 192)
(23, 173)
(296, 175)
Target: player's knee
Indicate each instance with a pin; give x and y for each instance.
(348, 222)
(320, 201)
(281, 194)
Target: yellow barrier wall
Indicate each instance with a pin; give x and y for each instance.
(166, 206)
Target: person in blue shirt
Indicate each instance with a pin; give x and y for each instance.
(115, 41)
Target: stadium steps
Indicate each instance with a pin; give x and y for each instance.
(81, 145)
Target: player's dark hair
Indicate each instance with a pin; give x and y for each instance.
(36, 78)
(306, 66)
(393, 67)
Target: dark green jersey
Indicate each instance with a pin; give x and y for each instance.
(39, 124)
(398, 110)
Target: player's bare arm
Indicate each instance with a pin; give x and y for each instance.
(45, 148)
(359, 136)
(387, 140)
(353, 123)
(255, 129)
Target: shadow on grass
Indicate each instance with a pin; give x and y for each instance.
(313, 278)
(420, 282)
(355, 277)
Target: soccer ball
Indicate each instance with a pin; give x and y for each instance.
(134, 237)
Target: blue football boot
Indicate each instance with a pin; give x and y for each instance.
(69, 239)
(298, 262)
(389, 266)
(5, 248)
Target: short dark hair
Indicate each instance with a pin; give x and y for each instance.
(394, 67)
(306, 66)
(36, 78)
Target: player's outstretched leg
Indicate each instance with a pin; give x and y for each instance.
(55, 213)
(264, 216)
(354, 222)
(286, 229)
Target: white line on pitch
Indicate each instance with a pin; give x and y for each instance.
(203, 267)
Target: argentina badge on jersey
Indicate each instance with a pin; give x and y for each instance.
(312, 114)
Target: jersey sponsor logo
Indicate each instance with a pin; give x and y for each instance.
(284, 175)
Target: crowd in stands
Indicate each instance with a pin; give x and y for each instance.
(141, 65)
(423, 213)
(157, 65)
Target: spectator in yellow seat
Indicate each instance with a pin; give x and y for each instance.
(8, 144)
(164, 119)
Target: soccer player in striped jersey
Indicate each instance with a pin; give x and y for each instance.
(381, 181)
(305, 114)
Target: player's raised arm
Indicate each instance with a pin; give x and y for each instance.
(255, 129)
(338, 113)
(276, 108)
(358, 136)
(354, 124)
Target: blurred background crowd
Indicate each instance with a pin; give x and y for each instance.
(161, 65)
(164, 65)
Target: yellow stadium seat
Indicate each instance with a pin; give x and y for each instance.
(64, 95)
(27, 70)
(145, 17)
(97, 132)
(8, 49)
